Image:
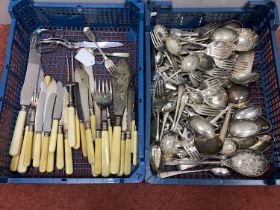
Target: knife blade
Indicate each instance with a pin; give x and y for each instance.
(56, 116)
(120, 85)
(86, 44)
(48, 113)
(39, 125)
(82, 79)
(29, 84)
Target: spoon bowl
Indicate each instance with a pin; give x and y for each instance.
(156, 159)
(243, 128)
(202, 127)
(247, 113)
(209, 146)
(245, 142)
(264, 143)
(264, 124)
(224, 34)
(245, 78)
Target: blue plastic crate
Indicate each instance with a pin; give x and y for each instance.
(262, 16)
(110, 22)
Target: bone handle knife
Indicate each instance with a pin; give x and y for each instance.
(50, 163)
(83, 139)
(90, 147)
(44, 153)
(16, 143)
(59, 149)
(98, 153)
(53, 136)
(78, 134)
(28, 146)
(21, 167)
(116, 147)
(68, 156)
(135, 146)
(127, 158)
(105, 150)
(122, 154)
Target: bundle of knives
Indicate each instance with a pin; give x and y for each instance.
(55, 119)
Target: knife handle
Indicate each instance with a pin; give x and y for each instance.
(47, 80)
(116, 150)
(127, 158)
(122, 154)
(37, 149)
(44, 153)
(33, 145)
(98, 153)
(110, 130)
(14, 163)
(93, 125)
(59, 150)
(83, 139)
(105, 154)
(18, 133)
(92, 170)
(53, 136)
(50, 164)
(78, 134)
(132, 135)
(21, 167)
(71, 127)
(90, 147)
(28, 146)
(135, 146)
(68, 156)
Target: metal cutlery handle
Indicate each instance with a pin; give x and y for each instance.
(89, 34)
(174, 173)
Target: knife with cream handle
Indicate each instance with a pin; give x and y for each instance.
(39, 125)
(31, 76)
(67, 148)
(21, 168)
(82, 78)
(56, 116)
(124, 129)
(47, 123)
(59, 146)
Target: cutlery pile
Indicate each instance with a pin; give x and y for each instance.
(201, 102)
(57, 118)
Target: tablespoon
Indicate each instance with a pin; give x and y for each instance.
(216, 171)
(245, 78)
(201, 127)
(250, 113)
(243, 128)
(156, 159)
